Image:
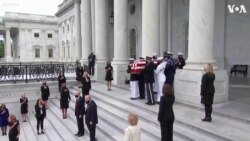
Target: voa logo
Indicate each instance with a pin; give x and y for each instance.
(237, 9)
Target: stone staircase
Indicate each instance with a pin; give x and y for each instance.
(113, 109)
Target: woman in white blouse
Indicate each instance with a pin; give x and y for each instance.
(133, 131)
(160, 77)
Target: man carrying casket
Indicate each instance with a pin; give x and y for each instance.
(134, 77)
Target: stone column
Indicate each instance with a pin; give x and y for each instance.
(163, 26)
(169, 26)
(120, 41)
(8, 57)
(93, 24)
(101, 37)
(201, 41)
(78, 28)
(201, 37)
(150, 27)
(86, 29)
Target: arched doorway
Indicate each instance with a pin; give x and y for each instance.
(132, 43)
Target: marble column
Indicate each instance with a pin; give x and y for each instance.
(78, 28)
(169, 25)
(101, 37)
(163, 26)
(86, 29)
(201, 33)
(201, 43)
(8, 57)
(93, 24)
(150, 27)
(120, 60)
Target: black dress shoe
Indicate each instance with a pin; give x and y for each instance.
(80, 135)
(205, 119)
(142, 98)
(76, 134)
(133, 98)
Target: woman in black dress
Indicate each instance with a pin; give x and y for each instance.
(24, 107)
(45, 93)
(166, 114)
(64, 100)
(14, 129)
(40, 115)
(86, 84)
(109, 75)
(61, 80)
(207, 91)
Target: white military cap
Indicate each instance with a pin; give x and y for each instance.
(131, 59)
(180, 53)
(159, 58)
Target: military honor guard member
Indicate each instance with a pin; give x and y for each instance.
(181, 61)
(155, 61)
(160, 77)
(141, 82)
(134, 78)
(170, 69)
(149, 80)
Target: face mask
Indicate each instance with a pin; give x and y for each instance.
(76, 96)
(87, 102)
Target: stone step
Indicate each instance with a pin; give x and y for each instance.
(120, 115)
(117, 123)
(100, 132)
(185, 116)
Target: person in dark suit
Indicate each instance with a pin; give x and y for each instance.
(207, 91)
(166, 114)
(14, 128)
(40, 115)
(91, 60)
(64, 100)
(45, 93)
(79, 113)
(91, 117)
(86, 84)
(149, 80)
(61, 80)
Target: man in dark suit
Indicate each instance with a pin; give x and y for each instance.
(91, 60)
(91, 118)
(79, 113)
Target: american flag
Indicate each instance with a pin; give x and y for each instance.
(137, 66)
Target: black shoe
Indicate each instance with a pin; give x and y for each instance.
(209, 119)
(38, 133)
(142, 98)
(205, 119)
(133, 98)
(42, 132)
(80, 135)
(149, 103)
(76, 134)
(157, 102)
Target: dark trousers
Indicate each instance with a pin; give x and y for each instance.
(208, 110)
(13, 138)
(150, 95)
(91, 69)
(91, 131)
(167, 130)
(39, 122)
(141, 87)
(80, 125)
(85, 92)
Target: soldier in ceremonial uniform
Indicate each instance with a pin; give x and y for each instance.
(160, 77)
(141, 81)
(149, 80)
(170, 69)
(155, 61)
(134, 77)
(181, 61)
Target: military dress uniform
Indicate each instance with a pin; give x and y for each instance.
(134, 79)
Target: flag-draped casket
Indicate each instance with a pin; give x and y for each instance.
(137, 66)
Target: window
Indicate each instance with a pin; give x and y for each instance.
(50, 35)
(37, 53)
(36, 35)
(50, 52)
